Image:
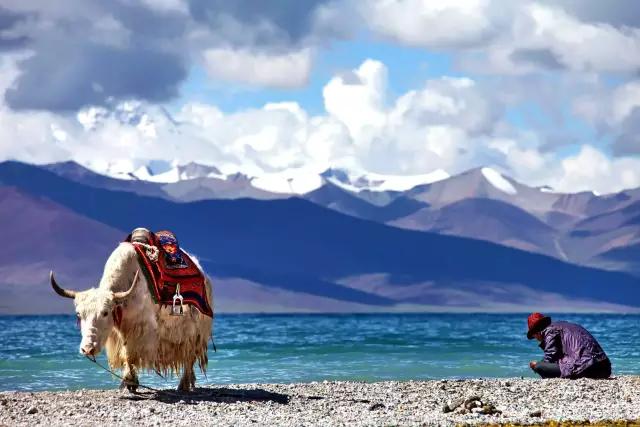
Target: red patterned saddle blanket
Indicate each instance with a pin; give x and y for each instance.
(167, 266)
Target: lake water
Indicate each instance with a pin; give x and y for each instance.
(41, 352)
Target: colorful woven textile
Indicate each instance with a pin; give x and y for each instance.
(169, 267)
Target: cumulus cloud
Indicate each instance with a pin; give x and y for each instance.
(168, 5)
(592, 170)
(459, 23)
(621, 13)
(91, 52)
(88, 79)
(241, 22)
(516, 37)
(449, 123)
(579, 45)
(627, 141)
(357, 99)
(441, 125)
(286, 70)
(83, 53)
(588, 169)
(615, 113)
(152, 76)
(548, 39)
(152, 44)
(10, 37)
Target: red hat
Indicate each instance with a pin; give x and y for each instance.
(536, 323)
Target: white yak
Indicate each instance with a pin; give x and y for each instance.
(121, 316)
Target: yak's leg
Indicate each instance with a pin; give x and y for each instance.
(130, 378)
(188, 380)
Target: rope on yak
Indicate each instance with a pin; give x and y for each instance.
(126, 382)
(242, 394)
(152, 251)
(166, 392)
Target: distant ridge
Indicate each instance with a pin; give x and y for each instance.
(315, 259)
(454, 205)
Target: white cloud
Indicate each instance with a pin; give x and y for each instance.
(528, 161)
(578, 45)
(447, 123)
(454, 23)
(440, 125)
(624, 100)
(30, 137)
(279, 70)
(614, 113)
(357, 99)
(591, 169)
(422, 131)
(608, 107)
(27, 137)
(167, 5)
(507, 37)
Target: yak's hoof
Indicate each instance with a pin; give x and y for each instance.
(129, 385)
(186, 386)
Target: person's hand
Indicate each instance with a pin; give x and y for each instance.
(533, 364)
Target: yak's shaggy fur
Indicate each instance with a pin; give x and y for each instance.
(148, 337)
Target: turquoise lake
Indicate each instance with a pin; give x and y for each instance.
(41, 352)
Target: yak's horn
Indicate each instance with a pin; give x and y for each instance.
(62, 292)
(121, 296)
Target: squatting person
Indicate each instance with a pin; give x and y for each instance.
(570, 351)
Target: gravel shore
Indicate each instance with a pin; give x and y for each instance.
(438, 402)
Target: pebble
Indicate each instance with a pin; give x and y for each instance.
(339, 403)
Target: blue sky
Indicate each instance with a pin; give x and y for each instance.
(546, 92)
(410, 67)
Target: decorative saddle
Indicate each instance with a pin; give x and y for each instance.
(171, 273)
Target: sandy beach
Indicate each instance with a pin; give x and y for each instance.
(437, 402)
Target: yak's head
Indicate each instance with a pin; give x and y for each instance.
(97, 310)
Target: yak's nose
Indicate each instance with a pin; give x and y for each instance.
(88, 350)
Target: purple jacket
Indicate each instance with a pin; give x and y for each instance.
(571, 346)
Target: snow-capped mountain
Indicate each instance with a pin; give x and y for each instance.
(358, 182)
(177, 173)
(278, 255)
(152, 123)
(481, 203)
(292, 182)
(301, 182)
(498, 181)
(145, 118)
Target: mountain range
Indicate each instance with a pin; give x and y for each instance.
(582, 228)
(329, 242)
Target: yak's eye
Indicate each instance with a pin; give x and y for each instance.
(77, 320)
(104, 314)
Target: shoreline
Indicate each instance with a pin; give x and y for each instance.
(431, 402)
(632, 311)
